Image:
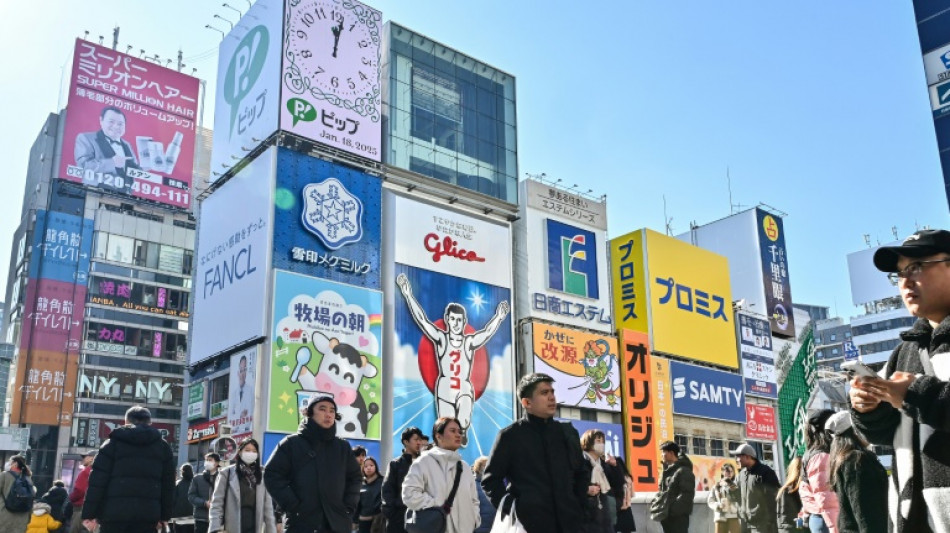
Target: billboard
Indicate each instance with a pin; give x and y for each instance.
(706, 393)
(793, 397)
(868, 284)
(62, 243)
(131, 125)
(708, 470)
(689, 292)
(331, 75)
(242, 381)
(642, 445)
(92, 432)
(564, 240)
(758, 359)
(326, 339)
(247, 94)
(778, 291)
(662, 399)
(613, 434)
(327, 220)
(760, 422)
(123, 294)
(584, 365)
(234, 240)
(452, 330)
(628, 277)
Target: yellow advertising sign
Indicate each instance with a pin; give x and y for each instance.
(662, 400)
(690, 301)
(583, 365)
(629, 282)
(640, 430)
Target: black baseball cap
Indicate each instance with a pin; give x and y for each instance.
(920, 244)
(818, 418)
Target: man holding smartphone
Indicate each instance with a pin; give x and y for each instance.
(908, 407)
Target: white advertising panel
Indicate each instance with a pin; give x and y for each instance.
(868, 284)
(331, 89)
(451, 243)
(565, 248)
(247, 95)
(234, 243)
(937, 65)
(758, 360)
(242, 380)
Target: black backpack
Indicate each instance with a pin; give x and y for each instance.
(20, 497)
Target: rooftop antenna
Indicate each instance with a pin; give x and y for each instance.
(894, 231)
(667, 221)
(733, 208)
(867, 239)
(115, 38)
(101, 38)
(85, 35)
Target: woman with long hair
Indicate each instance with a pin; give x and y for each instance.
(859, 479)
(724, 499)
(16, 469)
(788, 503)
(601, 510)
(240, 503)
(369, 509)
(819, 501)
(431, 476)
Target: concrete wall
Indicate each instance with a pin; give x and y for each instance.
(701, 521)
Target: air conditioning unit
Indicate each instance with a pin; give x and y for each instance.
(224, 429)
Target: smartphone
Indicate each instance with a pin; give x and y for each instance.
(859, 369)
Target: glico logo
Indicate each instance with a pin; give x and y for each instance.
(572, 260)
(244, 69)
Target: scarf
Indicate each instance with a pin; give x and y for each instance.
(248, 472)
(597, 475)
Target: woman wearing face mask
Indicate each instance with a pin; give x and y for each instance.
(240, 503)
(369, 509)
(14, 470)
(601, 510)
(724, 501)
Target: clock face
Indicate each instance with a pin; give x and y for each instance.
(336, 48)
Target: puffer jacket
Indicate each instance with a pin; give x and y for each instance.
(41, 521)
(132, 479)
(679, 482)
(817, 494)
(723, 499)
(429, 483)
(199, 494)
(758, 485)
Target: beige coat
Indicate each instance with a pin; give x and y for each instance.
(228, 485)
(429, 483)
(12, 522)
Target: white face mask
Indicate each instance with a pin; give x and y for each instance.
(39, 512)
(210, 465)
(599, 447)
(248, 457)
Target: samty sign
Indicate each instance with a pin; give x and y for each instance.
(706, 393)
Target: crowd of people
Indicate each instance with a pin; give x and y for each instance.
(541, 475)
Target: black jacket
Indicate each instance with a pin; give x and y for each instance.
(370, 499)
(861, 486)
(315, 479)
(547, 474)
(56, 497)
(199, 493)
(758, 485)
(393, 508)
(787, 507)
(927, 402)
(132, 478)
(183, 506)
(679, 482)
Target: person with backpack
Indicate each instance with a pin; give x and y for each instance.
(61, 509)
(17, 490)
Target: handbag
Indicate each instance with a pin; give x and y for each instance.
(660, 506)
(432, 519)
(507, 523)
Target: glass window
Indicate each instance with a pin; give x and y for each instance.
(141, 249)
(102, 241)
(716, 448)
(151, 255)
(171, 258)
(834, 337)
(120, 249)
(682, 441)
(699, 445)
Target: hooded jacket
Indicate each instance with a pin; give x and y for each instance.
(132, 478)
(540, 463)
(758, 486)
(430, 481)
(817, 494)
(41, 519)
(861, 485)
(199, 493)
(919, 431)
(679, 482)
(315, 479)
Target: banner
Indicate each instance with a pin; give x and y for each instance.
(583, 365)
(131, 126)
(329, 219)
(706, 393)
(628, 276)
(793, 397)
(613, 434)
(708, 470)
(662, 401)
(639, 404)
(758, 359)
(241, 384)
(760, 422)
(778, 289)
(63, 243)
(325, 340)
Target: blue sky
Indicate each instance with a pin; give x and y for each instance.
(819, 109)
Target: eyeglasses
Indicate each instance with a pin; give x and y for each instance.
(912, 270)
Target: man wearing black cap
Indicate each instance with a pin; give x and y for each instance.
(758, 486)
(393, 508)
(547, 475)
(313, 475)
(908, 407)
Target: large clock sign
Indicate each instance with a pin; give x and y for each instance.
(331, 89)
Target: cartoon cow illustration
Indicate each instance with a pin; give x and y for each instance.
(341, 371)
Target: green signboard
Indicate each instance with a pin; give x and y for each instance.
(793, 397)
(196, 400)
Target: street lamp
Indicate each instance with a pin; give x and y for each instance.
(217, 16)
(232, 8)
(210, 27)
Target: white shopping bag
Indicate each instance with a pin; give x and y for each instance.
(508, 524)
